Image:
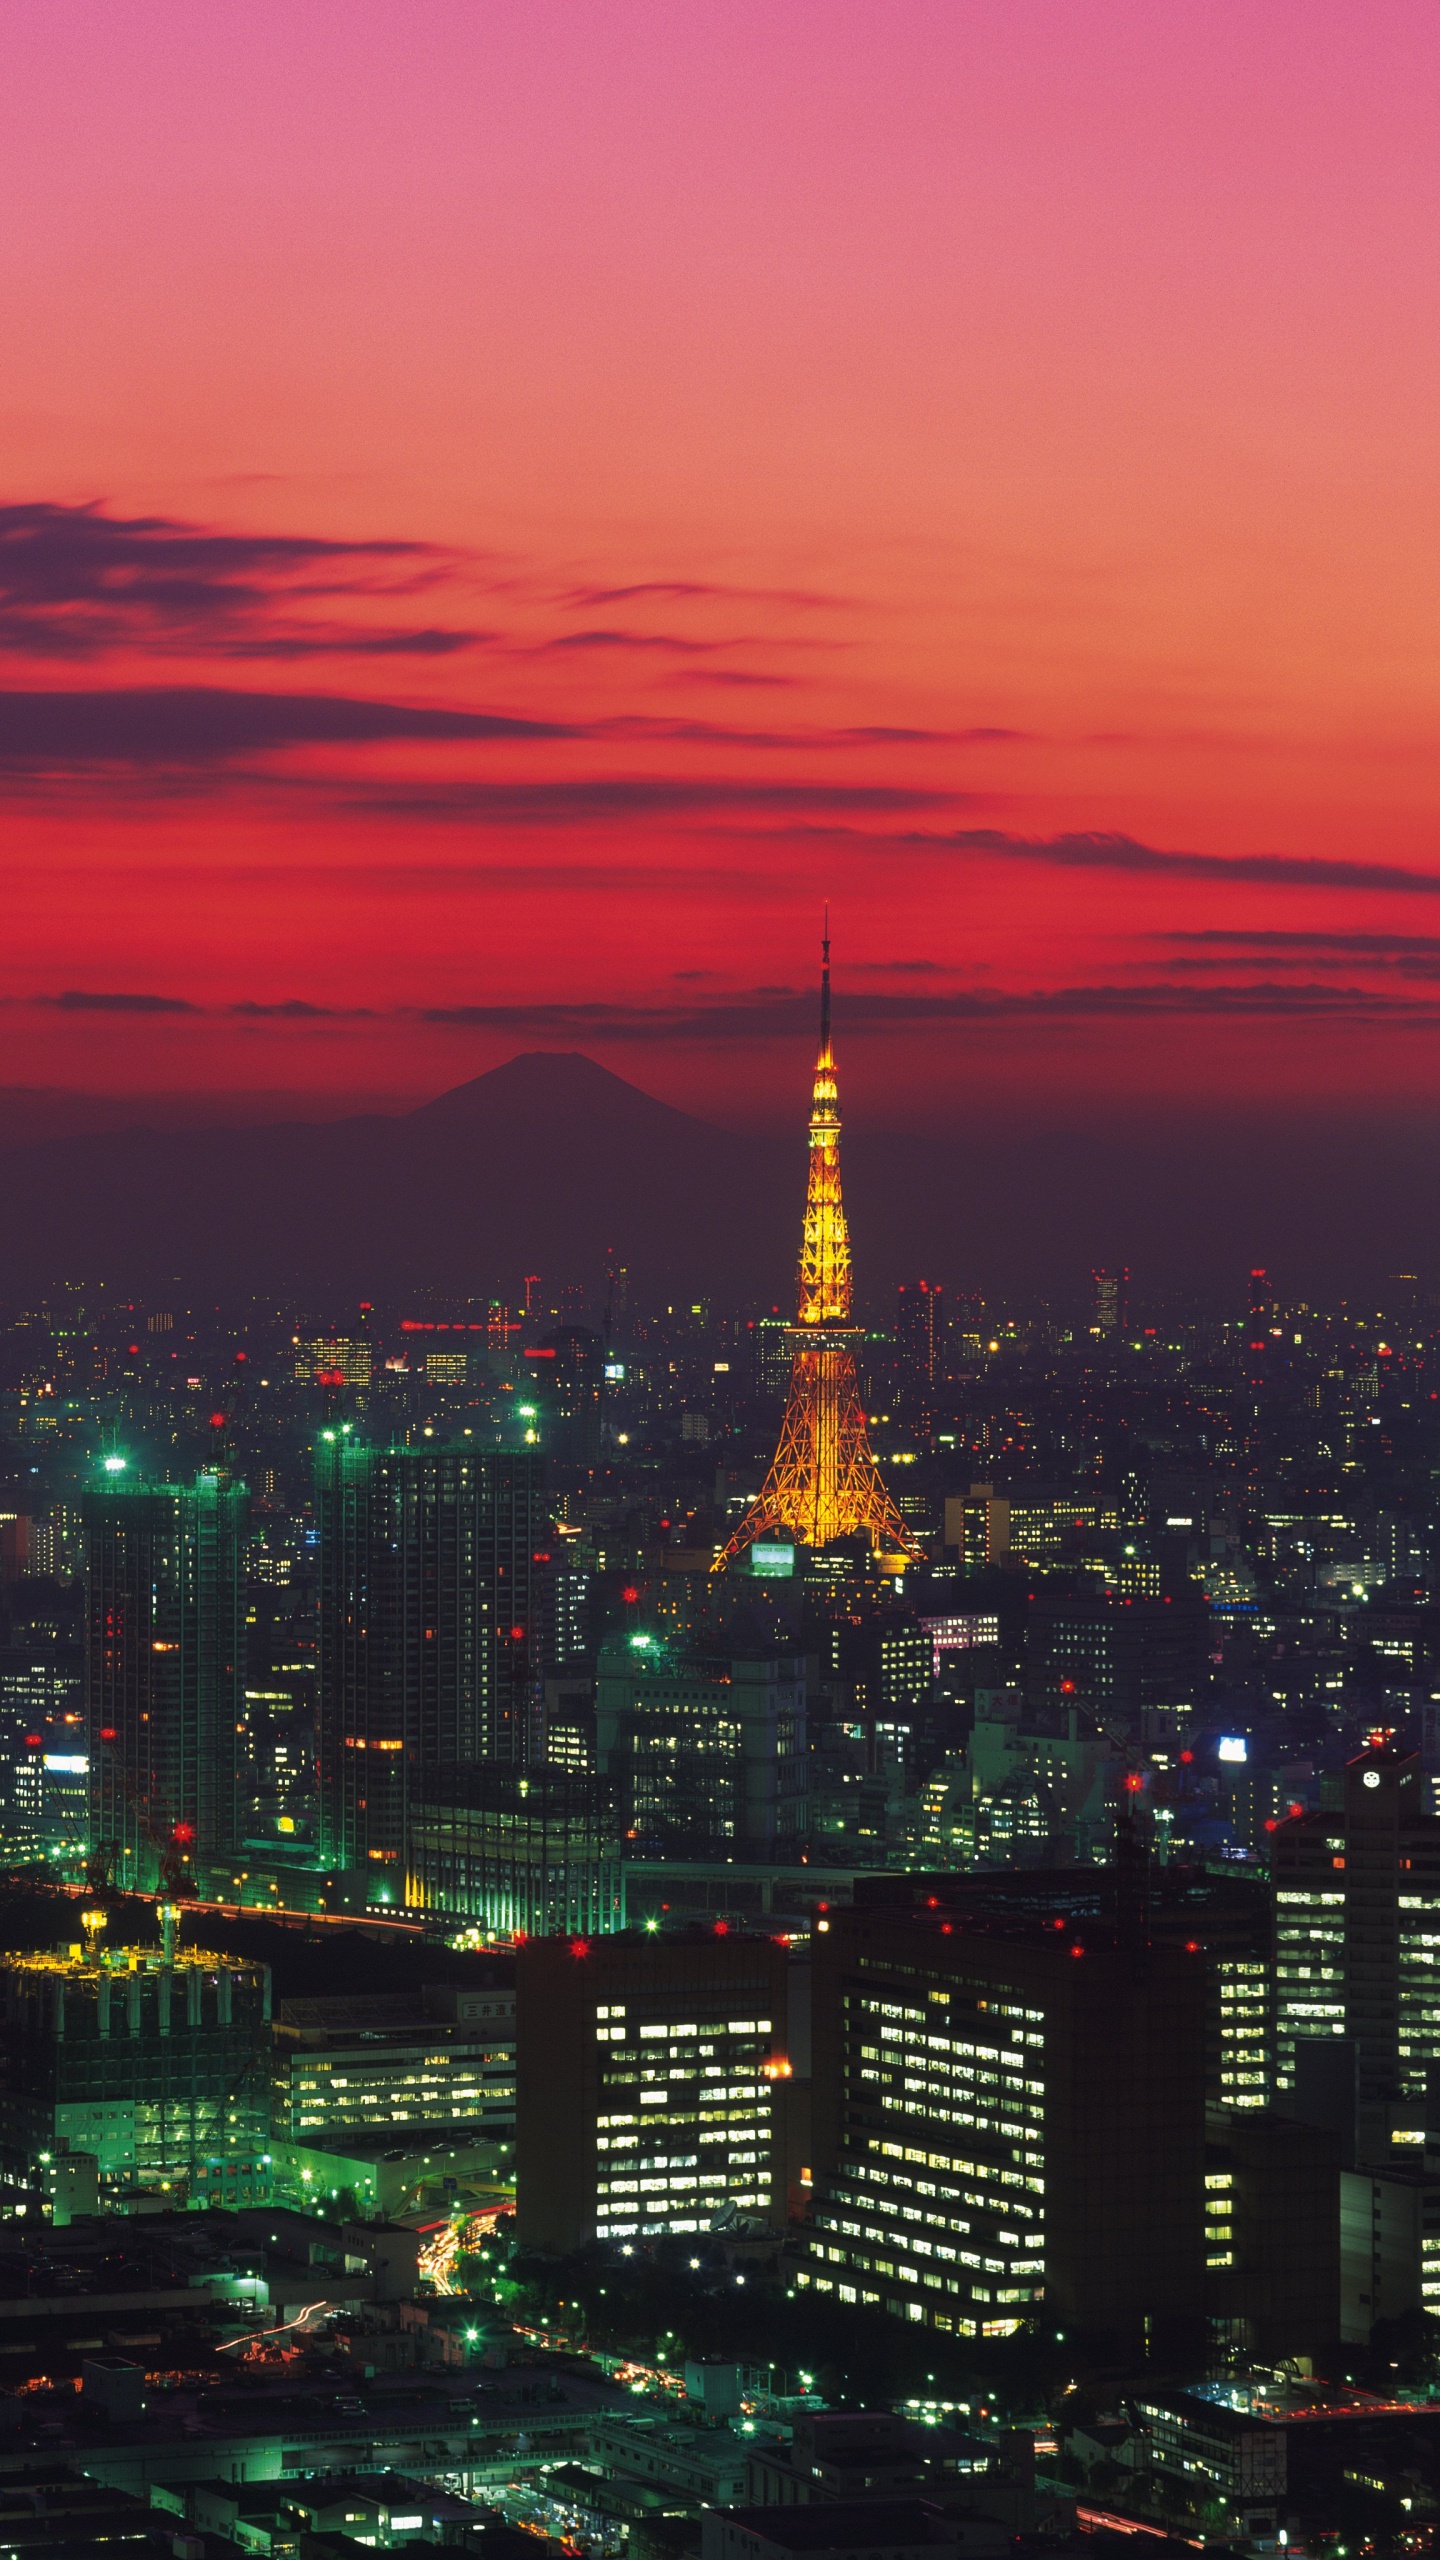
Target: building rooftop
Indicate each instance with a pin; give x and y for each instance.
(839, 2524)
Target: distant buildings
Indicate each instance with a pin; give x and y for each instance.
(698, 1750)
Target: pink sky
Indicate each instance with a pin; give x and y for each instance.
(743, 386)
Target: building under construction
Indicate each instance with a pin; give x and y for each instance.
(153, 2061)
(164, 1674)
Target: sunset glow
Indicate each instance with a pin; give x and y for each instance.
(507, 511)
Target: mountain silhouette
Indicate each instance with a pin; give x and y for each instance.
(550, 1163)
(546, 1164)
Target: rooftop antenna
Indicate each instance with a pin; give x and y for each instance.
(825, 983)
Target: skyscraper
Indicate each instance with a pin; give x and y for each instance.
(164, 1672)
(1110, 1304)
(426, 1629)
(920, 1336)
(823, 1482)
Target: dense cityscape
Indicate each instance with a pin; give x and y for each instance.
(694, 1930)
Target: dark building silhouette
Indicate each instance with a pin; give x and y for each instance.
(164, 1673)
(920, 1345)
(425, 1629)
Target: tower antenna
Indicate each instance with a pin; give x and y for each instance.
(823, 1482)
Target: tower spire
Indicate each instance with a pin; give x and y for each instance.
(823, 1482)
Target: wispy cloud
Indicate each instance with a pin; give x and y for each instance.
(664, 641)
(703, 590)
(76, 582)
(204, 724)
(786, 1012)
(1105, 852)
(1276, 941)
(603, 798)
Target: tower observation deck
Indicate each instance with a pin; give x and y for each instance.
(823, 1481)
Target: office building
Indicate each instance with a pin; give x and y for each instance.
(164, 1673)
(426, 1631)
(646, 2070)
(382, 2063)
(334, 1359)
(699, 1750)
(1119, 1656)
(1357, 1939)
(527, 1853)
(156, 2061)
(1109, 1302)
(1009, 2116)
(1272, 2234)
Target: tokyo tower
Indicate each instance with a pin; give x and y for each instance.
(823, 1482)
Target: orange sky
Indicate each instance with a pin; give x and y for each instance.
(504, 512)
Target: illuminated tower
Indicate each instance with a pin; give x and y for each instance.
(823, 1482)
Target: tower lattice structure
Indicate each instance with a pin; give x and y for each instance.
(823, 1482)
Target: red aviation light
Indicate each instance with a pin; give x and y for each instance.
(1077, 1949)
(183, 1832)
(579, 1947)
(107, 1733)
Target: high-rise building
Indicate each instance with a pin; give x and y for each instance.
(646, 2072)
(699, 1750)
(1110, 1301)
(920, 1347)
(164, 1673)
(426, 1630)
(1009, 2116)
(823, 1481)
(154, 2061)
(1357, 1938)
